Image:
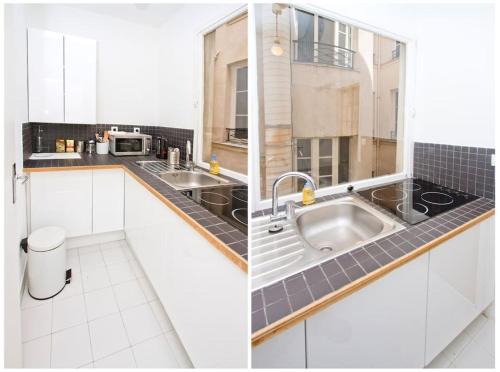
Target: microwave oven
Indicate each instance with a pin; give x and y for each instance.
(126, 143)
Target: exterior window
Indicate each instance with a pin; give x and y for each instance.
(304, 160)
(225, 95)
(305, 37)
(322, 40)
(332, 109)
(343, 42)
(239, 133)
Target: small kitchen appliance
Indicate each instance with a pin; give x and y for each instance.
(125, 143)
(415, 200)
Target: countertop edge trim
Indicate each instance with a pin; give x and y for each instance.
(307, 311)
(212, 239)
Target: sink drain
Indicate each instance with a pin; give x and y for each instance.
(325, 247)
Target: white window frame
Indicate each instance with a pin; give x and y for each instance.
(198, 100)
(406, 112)
(234, 81)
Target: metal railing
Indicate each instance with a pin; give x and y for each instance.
(395, 52)
(237, 135)
(321, 53)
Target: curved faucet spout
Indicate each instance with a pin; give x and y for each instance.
(277, 182)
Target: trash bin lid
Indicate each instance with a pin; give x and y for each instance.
(46, 238)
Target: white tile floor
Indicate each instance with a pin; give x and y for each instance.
(108, 317)
(473, 348)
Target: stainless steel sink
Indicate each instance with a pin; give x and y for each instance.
(179, 177)
(316, 234)
(191, 179)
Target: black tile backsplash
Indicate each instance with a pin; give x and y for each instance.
(462, 168)
(176, 137)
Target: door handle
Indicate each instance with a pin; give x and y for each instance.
(17, 177)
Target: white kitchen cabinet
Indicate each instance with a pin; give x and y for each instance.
(285, 350)
(204, 294)
(485, 285)
(108, 200)
(80, 64)
(461, 281)
(45, 76)
(62, 199)
(380, 326)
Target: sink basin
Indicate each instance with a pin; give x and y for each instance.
(178, 177)
(338, 226)
(316, 234)
(182, 180)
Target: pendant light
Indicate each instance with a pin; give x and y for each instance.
(276, 49)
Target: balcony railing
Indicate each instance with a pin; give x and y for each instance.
(321, 53)
(395, 52)
(237, 135)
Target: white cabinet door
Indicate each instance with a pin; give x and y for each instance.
(379, 326)
(108, 200)
(204, 294)
(285, 350)
(45, 76)
(62, 199)
(80, 78)
(452, 296)
(485, 285)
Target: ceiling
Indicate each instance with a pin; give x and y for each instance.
(149, 14)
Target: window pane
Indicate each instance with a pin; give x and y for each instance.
(241, 122)
(304, 165)
(303, 148)
(242, 79)
(305, 36)
(325, 181)
(323, 101)
(326, 29)
(241, 103)
(325, 147)
(325, 167)
(222, 127)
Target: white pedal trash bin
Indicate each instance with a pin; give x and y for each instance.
(46, 262)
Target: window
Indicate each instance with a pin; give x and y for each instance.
(330, 108)
(225, 95)
(239, 132)
(329, 43)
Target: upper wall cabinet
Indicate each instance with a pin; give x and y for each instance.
(79, 79)
(61, 78)
(45, 76)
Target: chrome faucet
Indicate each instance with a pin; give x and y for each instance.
(189, 153)
(274, 216)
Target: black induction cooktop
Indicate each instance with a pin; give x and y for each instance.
(227, 202)
(415, 200)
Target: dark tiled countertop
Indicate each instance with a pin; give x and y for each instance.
(275, 305)
(231, 238)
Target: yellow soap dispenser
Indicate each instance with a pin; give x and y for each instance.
(308, 194)
(214, 165)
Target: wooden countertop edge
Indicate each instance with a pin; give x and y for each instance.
(307, 311)
(218, 244)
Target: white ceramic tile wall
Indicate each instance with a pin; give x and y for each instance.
(108, 317)
(473, 348)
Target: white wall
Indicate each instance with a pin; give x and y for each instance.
(454, 101)
(127, 60)
(179, 44)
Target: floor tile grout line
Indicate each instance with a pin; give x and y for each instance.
(86, 313)
(120, 312)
